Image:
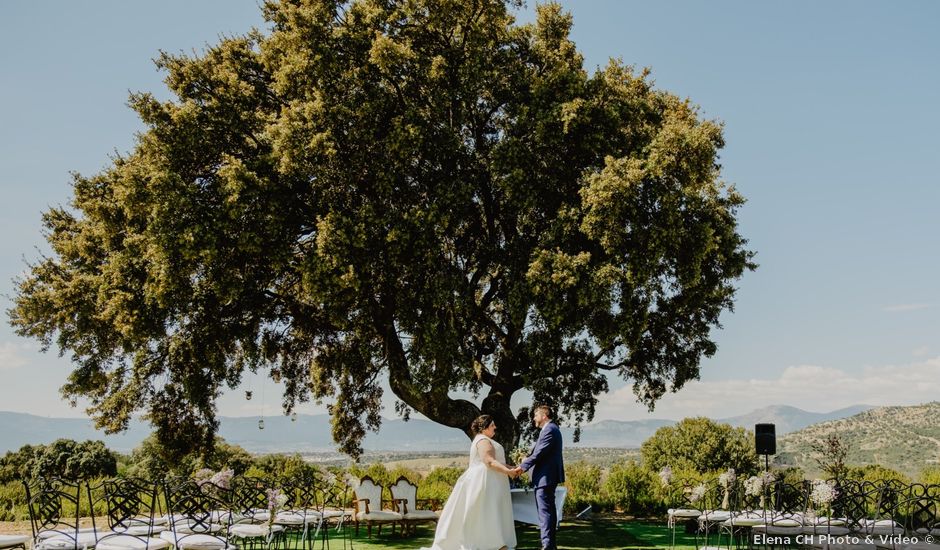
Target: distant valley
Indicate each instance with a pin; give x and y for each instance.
(311, 433)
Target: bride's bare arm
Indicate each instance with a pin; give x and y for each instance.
(488, 455)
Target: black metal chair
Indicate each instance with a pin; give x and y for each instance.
(712, 516)
(748, 510)
(252, 524)
(131, 507)
(54, 507)
(301, 516)
(783, 520)
(334, 498)
(199, 516)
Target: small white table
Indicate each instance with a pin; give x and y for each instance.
(523, 504)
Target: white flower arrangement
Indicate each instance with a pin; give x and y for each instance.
(726, 479)
(824, 492)
(222, 479)
(202, 476)
(331, 478)
(697, 493)
(276, 501)
(665, 475)
(754, 485)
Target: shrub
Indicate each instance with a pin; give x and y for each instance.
(631, 488)
(876, 474)
(584, 487)
(700, 445)
(438, 484)
(930, 475)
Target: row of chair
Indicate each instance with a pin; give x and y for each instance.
(201, 515)
(885, 511)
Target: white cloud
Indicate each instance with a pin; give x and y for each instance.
(904, 307)
(921, 351)
(809, 387)
(11, 355)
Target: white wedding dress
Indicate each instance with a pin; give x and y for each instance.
(478, 513)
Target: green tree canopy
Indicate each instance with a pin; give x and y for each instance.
(419, 190)
(63, 458)
(700, 445)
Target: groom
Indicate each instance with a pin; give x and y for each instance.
(548, 470)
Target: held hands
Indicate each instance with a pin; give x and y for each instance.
(515, 472)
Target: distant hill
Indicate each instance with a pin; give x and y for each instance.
(308, 434)
(906, 439)
(790, 419)
(615, 433)
(311, 433)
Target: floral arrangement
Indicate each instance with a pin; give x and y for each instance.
(665, 475)
(823, 493)
(754, 486)
(518, 455)
(330, 478)
(276, 501)
(221, 479)
(202, 476)
(726, 479)
(697, 493)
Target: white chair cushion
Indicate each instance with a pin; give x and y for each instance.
(777, 529)
(380, 516)
(143, 530)
(257, 515)
(715, 515)
(195, 542)
(421, 515)
(186, 527)
(253, 530)
(881, 527)
(64, 532)
(298, 518)
(786, 522)
(7, 541)
(745, 519)
(85, 539)
(330, 514)
(823, 520)
(127, 542)
(685, 513)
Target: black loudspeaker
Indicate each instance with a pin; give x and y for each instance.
(765, 439)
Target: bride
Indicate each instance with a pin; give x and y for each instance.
(478, 513)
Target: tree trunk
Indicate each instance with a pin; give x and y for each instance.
(497, 405)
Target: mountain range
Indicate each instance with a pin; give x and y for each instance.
(311, 433)
(906, 439)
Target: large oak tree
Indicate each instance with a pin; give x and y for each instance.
(421, 190)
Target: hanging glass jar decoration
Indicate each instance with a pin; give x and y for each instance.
(293, 417)
(248, 395)
(261, 424)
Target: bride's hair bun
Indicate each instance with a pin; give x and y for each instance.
(481, 423)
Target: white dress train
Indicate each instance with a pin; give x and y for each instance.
(478, 513)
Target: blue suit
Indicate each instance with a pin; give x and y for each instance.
(548, 470)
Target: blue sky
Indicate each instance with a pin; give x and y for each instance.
(831, 121)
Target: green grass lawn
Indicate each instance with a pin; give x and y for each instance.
(573, 535)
